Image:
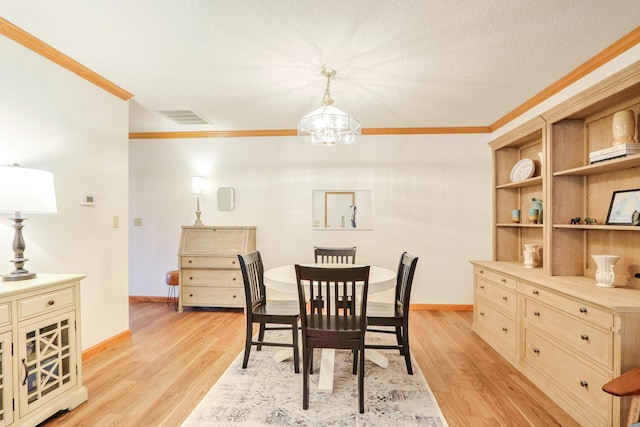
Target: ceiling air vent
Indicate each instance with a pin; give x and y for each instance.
(185, 117)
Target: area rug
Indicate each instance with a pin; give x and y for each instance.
(270, 393)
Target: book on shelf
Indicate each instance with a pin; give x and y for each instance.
(614, 152)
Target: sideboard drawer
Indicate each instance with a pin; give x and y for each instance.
(500, 328)
(209, 262)
(496, 294)
(575, 308)
(585, 338)
(213, 297)
(44, 303)
(496, 277)
(570, 374)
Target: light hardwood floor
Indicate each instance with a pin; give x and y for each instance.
(173, 359)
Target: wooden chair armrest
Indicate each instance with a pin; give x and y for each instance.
(627, 384)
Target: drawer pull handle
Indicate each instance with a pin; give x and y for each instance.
(504, 330)
(190, 277)
(233, 262)
(234, 279)
(190, 295)
(189, 261)
(583, 309)
(481, 271)
(536, 351)
(234, 296)
(51, 302)
(583, 383)
(482, 313)
(504, 280)
(584, 337)
(536, 313)
(536, 293)
(26, 371)
(504, 298)
(481, 286)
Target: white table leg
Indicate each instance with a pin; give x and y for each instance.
(376, 357)
(325, 380)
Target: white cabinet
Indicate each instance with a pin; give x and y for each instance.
(40, 351)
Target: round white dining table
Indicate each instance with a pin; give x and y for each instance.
(283, 279)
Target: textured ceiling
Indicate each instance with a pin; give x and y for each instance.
(255, 64)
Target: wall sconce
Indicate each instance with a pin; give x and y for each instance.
(24, 190)
(197, 189)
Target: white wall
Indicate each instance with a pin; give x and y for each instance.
(431, 197)
(52, 119)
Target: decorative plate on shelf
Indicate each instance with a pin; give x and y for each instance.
(522, 170)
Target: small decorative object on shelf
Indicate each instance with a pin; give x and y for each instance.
(624, 127)
(530, 255)
(605, 277)
(575, 220)
(515, 216)
(590, 221)
(537, 204)
(522, 170)
(635, 218)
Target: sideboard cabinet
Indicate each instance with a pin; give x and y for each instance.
(552, 322)
(40, 351)
(210, 273)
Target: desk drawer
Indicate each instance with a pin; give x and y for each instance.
(575, 308)
(45, 303)
(212, 278)
(584, 338)
(496, 294)
(213, 297)
(209, 262)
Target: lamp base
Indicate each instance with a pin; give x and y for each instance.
(15, 276)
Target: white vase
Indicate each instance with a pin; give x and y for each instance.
(624, 127)
(530, 255)
(605, 277)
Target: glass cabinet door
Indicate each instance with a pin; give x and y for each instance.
(6, 380)
(47, 359)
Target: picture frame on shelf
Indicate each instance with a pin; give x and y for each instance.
(623, 204)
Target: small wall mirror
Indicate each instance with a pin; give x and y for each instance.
(342, 210)
(226, 199)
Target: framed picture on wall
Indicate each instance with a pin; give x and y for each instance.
(623, 204)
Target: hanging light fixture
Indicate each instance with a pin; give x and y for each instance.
(328, 125)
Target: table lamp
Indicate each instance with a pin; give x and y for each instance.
(197, 189)
(24, 190)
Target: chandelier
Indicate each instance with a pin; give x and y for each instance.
(328, 125)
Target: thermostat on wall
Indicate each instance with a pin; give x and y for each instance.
(87, 199)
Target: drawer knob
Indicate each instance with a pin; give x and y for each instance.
(482, 313)
(504, 330)
(584, 337)
(504, 280)
(583, 309)
(190, 295)
(234, 296)
(51, 302)
(536, 313)
(583, 383)
(536, 350)
(234, 279)
(504, 298)
(233, 262)
(536, 293)
(481, 286)
(189, 261)
(190, 277)
(481, 271)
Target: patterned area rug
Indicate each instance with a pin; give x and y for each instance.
(270, 393)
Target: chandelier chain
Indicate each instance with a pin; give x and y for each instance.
(326, 98)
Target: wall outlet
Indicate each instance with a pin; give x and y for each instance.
(116, 221)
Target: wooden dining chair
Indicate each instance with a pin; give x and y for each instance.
(325, 255)
(266, 313)
(627, 384)
(393, 318)
(332, 326)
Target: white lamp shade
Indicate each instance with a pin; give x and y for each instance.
(197, 185)
(26, 190)
(328, 125)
